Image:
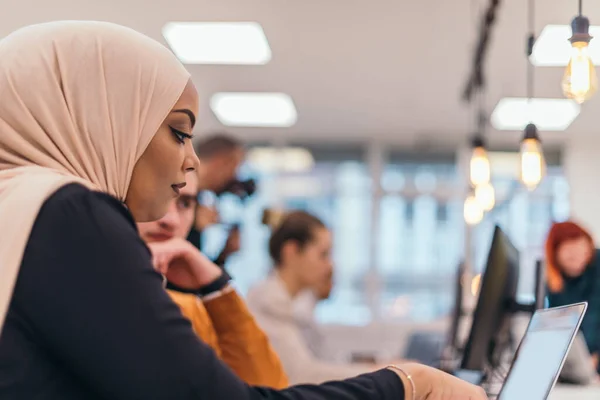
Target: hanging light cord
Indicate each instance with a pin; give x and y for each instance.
(530, 43)
(580, 7)
(476, 76)
(474, 11)
(480, 118)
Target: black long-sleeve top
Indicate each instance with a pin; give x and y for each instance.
(89, 319)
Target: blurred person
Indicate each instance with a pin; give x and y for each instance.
(220, 157)
(304, 307)
(300, 247)
(104, 141)
(573, 276)
(223, 322)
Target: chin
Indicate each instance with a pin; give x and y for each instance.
(150, 214)
(574, 273)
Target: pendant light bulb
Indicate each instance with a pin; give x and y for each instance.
(580, 81)
(472, 212)
(479, 167)
(533, 165)
(486, 196)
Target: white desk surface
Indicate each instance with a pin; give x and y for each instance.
(568, 392)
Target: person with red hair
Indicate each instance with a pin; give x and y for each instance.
(573, 275)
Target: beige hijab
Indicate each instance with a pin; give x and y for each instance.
(79, 102)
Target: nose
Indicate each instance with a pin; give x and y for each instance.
(190, 162)
(171, 220)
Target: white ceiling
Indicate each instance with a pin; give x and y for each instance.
(356, 69)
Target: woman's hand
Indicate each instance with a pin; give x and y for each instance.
(433, 384)
(183, 264)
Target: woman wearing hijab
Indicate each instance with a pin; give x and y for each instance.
(95, 129)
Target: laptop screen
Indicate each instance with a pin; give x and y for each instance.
(542, 352)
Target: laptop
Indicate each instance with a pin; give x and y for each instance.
(542, 353)
(578, 368)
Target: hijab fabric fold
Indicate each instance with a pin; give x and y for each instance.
(79, 103)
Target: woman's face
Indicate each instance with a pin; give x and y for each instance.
(161, 171)
(573, 256)
(313, 262)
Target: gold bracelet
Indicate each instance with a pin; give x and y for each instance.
(408, 378)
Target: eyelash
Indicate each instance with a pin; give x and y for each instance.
(180, 136)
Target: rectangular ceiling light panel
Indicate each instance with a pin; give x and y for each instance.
(514, 113)
(254, 109)
(242, 43)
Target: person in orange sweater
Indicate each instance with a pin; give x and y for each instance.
(221, 319)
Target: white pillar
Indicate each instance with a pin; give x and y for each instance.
(375, 159)
(278, 199)
(581, 160)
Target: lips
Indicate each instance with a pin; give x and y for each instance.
(177, 187)
(159, 237)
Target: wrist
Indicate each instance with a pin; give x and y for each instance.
(416, 386)
(217, 294)
(217, 285)
(210, 275)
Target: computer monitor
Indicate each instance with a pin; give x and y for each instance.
(459, 292)
(490, 333)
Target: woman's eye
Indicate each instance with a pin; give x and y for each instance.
(185, 203)
(180, 136)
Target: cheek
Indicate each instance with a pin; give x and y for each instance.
(565, 258)
(166, 157)
(317, 267)
(150, 189)
(170, 154)
(573, 260)
(143, 228)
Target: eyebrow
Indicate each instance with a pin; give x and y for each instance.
(189, 114)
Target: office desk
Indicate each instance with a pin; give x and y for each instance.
(562, 392)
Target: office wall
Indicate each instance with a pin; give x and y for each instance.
(582, 169)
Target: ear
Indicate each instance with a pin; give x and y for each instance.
(232, 162)
(290, 250)
(216, 160)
